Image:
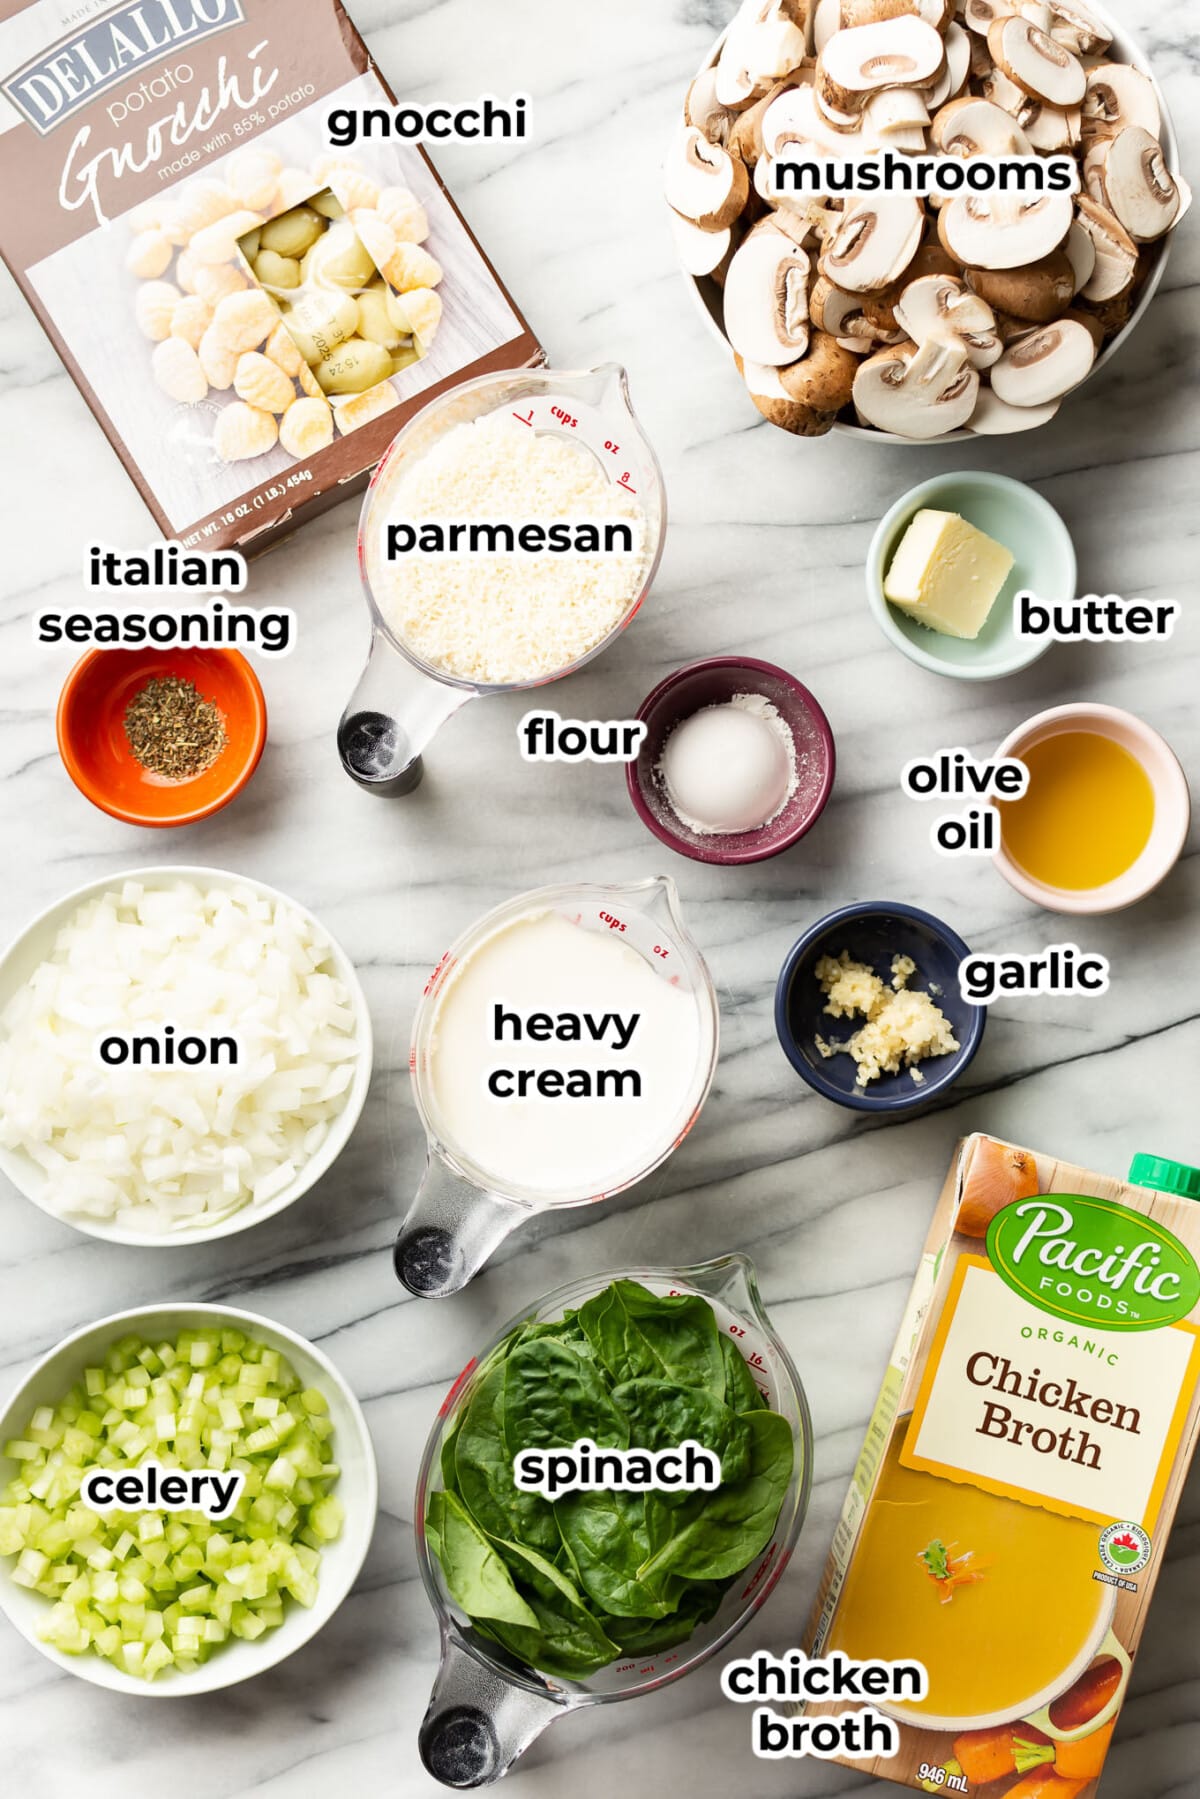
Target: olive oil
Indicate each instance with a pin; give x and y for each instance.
(1086, 816)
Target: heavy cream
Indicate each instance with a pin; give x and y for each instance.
(560, 1061)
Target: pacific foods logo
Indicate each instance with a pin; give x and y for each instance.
(1094, 1262)
(109, 50)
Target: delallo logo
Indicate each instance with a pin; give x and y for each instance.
(110, 50)
(1094, 1262)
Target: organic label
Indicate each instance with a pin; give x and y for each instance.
(1092, 1261)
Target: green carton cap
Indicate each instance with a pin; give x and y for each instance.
(1165, 1177)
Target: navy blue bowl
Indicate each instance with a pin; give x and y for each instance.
(873, 932)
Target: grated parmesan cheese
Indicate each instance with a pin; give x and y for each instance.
(497, 620)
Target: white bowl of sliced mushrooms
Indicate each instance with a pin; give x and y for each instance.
(905, 319)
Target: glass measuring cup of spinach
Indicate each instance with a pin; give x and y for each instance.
(547, 1606)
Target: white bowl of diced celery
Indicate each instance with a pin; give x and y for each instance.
(167, 1603)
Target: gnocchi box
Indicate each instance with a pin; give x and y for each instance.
(1009, 1514)
(250, 312)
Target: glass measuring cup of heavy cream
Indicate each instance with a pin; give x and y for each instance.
(461, 600)
(562, 1049)
(487, 1708)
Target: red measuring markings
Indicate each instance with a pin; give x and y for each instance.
(626, 483)
(768, 1558)
(523, 419)
(565, 417)
(432, 982)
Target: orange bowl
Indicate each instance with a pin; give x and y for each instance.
(96, 752)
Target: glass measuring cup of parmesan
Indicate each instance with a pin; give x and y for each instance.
(520, 1121)
(487, 1708)
(521, 448)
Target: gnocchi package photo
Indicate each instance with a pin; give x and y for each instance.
(250, 313)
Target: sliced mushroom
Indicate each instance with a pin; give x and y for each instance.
(970, 127)
(777, 406)
(746, 139)
(824, 379)
(873, 12)
(897, 109)
(1077, 28)
(1116, 253)
(917, 391)
(1118, 96)
(1080, 252)
(700, 252)
(941, 304)
(953, 78)
(873, 242)
(766, 298)
(762, 45)
(1050, 130)
(901, 52)
(826, 20)
(841, 314)
(980, 15)
(806, 218)
(996, 87)
(1037, 12)
(703, 182)
(1038, 293)
(702, 109)
(1044, 364)
(1129, 176)
(834, 118)
(1110, 316)
(1036, 63)
(793, 120)
(1092, 323)
(1003, 231)
(994, 417)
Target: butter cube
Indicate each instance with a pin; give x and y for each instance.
(946, 574)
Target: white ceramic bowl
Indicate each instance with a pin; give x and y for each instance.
(1172, 808)
(32, 947)
(341, 1561)
(1124, 49)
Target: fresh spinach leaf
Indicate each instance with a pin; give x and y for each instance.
(483, 1474)
(718, 1534)
(649, 1636)
(553, 1397)
(606, 1536)
(639, 1334)
(661, 1415)
(741, 1391)
(570, 1641)
(477, 1578)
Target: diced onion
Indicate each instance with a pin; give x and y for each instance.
(176, 1148)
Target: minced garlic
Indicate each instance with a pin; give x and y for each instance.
(902, 1027)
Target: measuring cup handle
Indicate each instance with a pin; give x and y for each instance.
(393, 713)
(449, 1233)
(477, 1722)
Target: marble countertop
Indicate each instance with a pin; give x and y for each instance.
(765, 554)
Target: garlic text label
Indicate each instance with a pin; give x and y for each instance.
(1061, 970)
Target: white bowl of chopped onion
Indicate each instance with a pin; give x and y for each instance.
(157, 1155)
(242, 1644)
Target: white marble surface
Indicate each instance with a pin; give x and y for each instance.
(765, 554)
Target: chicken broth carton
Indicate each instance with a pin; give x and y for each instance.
(1009, 1513)
(251, 312)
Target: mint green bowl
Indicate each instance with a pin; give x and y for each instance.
(1015, 516)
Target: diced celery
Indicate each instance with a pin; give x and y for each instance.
(151, 1591)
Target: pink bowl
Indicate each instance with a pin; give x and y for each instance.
(714, 682)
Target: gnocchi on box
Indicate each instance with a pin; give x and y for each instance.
(250, 314)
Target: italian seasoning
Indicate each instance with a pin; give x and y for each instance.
(172, 729)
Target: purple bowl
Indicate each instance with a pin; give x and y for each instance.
(714, 682)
